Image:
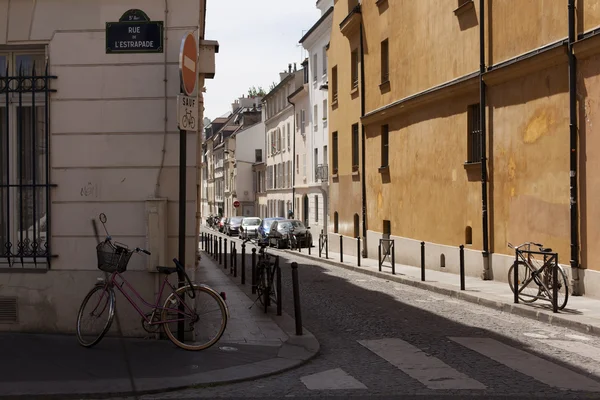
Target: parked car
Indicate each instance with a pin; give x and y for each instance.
(278, 234)
(249, 227)
(265, 227)
(233, 226)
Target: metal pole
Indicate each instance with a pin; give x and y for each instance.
(327, 247)
(278, 277)
(555, 285)
(182, 198)
(358, 250)
(379, 255)
(221, 250)
(225, 254)
(462, 267)
(296, 291)
(516, 280)
(393, 258)
(423, 261)
(341, 248)
(235, 262)
(253, 270)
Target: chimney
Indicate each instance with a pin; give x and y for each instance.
(295, 68)
(290, 68)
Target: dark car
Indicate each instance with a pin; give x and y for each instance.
(233, 226)
(280, 230)
(265, 227)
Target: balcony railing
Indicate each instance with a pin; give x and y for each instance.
(322, 173)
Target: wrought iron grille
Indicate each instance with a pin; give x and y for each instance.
(24, 169)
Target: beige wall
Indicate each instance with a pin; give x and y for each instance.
(345, 188)
(108, 135)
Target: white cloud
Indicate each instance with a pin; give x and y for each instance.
(257, 40)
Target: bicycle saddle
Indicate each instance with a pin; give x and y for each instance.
(166, 270)
(545, 249)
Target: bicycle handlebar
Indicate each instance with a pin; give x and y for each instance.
(524, 244)
(139, 249)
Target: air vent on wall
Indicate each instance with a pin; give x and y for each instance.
(8, 310)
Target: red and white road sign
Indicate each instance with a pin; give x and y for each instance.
(236, 204)
(188, 63)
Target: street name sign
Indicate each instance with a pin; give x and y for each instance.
(134, 33)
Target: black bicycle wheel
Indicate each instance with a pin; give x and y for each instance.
(528, 288)
(101, 309)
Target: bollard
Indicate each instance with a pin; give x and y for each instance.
(299, 244)
(216, 248)
(555, 286)
(358, 250)
(320, 243)
(225, 254)
(341, 248)
(243, 266)
(208, 241)
(423, 261)
(462, 267)
(327, 248)
(296, 291)
(309, 245)
(394, 258)
(253, 270)
(231, 244)
(220, 250)
(516, 280)
(379, 256)
(235, 262)
(202, 240)
(278, 283)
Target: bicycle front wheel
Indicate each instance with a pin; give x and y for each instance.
(563, 287)
(529, 290)
(95, 315)
(204, 317)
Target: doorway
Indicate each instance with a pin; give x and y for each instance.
(305, 209)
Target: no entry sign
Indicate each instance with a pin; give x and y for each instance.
(188, 59)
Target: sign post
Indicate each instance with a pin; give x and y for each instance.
(188, 59)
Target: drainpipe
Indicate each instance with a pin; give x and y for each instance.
(294, 161)
(362, 127)
(482, 109)
(573, 152)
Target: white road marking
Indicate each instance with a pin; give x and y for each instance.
(430, 371)
(333, 379)
(535, 335)
(583, 349)
(578, 337)
(189, 63)
(521, 361)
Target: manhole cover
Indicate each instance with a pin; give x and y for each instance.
(228, 348)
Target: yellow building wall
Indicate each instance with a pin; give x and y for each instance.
(589, 120)
(529, 141)
(590, 19)
(516, 26)
(428, 45)
(345, 189)
(428, 194)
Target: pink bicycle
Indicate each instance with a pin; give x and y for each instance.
(201, 311)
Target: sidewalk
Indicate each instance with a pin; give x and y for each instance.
(254, 345)
(581, 313)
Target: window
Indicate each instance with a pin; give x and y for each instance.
(314, 68)
(335, 222)
(297, 163)
(355, 147)
(304, 164)
(316, 164)
(385, 61)
(468, 235)
(289, 141)
(334, 85)
(385, 145)
(302, 121)
(354, 69)
(290, 183)
(316, 208)
(474, 134)
(325, 111)
(283, 138)
(24, 163)
(334, 144)
(258, 155)
(316, 117)
(356, 226)
(324, 60)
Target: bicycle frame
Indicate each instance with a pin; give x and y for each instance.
(113, 282)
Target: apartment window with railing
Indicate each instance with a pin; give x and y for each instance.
(316, 117)
(289, 141)
(334, 85)
(385, 61)
(474, 134)
(324, 60)
(385, 140)
(315, 68)
(355, 147)
(334, 155)
(324, 112)
(302, 121)
(316, 164)
(354, 69)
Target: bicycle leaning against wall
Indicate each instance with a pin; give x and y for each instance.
(535, 275)
(203, 311)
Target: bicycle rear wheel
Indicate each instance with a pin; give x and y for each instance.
(563, 287)
(204, 324)
(99, 305)
(528, 288)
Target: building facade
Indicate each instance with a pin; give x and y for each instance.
(477, 145)
(314, 196)
(98, 130)
(279, 125)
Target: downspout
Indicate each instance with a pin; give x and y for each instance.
(199, 96)
(573, 152)
(294, 160)
(363, 140)
(482, 114)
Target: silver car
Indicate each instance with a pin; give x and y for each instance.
(249, 227)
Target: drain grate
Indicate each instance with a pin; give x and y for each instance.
(8, 310)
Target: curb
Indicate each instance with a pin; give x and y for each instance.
(517, 309)
(294, 352)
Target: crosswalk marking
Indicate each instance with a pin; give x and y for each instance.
(430, 371)
(579, 348)
(333, 379)
(542, 370)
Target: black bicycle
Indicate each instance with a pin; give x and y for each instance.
(266, 268)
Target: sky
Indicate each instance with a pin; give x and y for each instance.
(257, 40)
